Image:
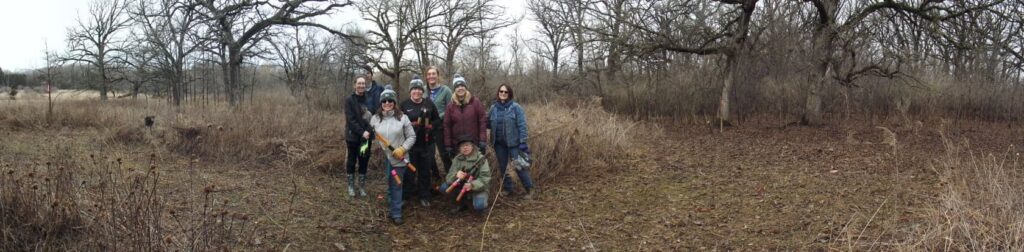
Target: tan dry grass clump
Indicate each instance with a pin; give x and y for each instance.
(576, 142)
(981, 207)
(75, 203)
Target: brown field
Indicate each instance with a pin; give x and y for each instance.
(267, 176)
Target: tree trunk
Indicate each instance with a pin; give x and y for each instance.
(234, 75)
(176, 84)
(103, 82)
(724, 117)
(823, 38)
(734, 56)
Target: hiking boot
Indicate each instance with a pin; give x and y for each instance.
(506, 194)
(362, 185)
(351, 185)
(398, 221)
(528, 195)
(425, 203)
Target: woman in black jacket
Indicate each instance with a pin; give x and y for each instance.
(357, 136)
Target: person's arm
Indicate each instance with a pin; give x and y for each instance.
(521, 124)
(483, 177)
(448, 138)
(354, 118)
(433, 114)
(410, 133)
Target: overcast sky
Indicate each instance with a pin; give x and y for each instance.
(27, 26)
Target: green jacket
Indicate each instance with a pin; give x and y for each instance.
(442, 97)
(481, 171)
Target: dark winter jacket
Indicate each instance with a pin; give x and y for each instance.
(373, 96)
(357, 118)
(464, 120)
(424, 117)
(507, 122)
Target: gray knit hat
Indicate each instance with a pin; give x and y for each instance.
(416, 83)
(388, 94)
(458, 81)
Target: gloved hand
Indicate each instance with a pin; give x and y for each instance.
(399, 153)
(449, 151)
(483, 148)
(524, 148)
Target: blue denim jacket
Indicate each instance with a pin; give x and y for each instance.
(513, 122)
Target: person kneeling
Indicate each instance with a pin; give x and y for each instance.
(469, 177)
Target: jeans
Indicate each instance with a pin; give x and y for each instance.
(505, 154)
(479, 198)
(395, 191)
(353, 157)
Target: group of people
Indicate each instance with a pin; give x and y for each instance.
(435, 120)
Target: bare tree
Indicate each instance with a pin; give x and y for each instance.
(96, 41)
(239, 25)
(464, 19)
(833, 19)
(305, 58)
(555, 38)
(395, 26)
(694, 27)
(170, 31)
(141, 59)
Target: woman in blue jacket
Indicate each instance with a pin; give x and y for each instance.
(507, 124)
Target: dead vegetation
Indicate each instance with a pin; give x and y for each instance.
(170, 202)
(980, 206)
(263, 176)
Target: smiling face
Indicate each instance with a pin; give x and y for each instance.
(360, 86)
(387, 105)
(432, 76)
(460, 91)
(416, 94)
(503, 93)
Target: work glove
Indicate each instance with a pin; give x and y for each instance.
(483, 148)
(524, 148)
(399, 153)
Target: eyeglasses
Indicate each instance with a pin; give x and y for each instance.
(502, 92)
(387, 101)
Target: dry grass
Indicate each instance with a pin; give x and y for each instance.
(132, 206)
(94, 204)
(981, 206)
(278, 129)
(573, 141)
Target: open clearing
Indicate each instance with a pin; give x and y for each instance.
(748, 188)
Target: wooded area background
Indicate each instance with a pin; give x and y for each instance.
(808, 60)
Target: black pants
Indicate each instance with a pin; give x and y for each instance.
(420, 182)
(353, 156)
(446, 158)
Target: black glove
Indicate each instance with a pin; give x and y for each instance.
(483, 148)
(449, 151)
